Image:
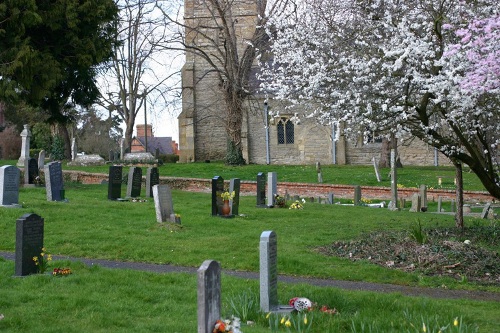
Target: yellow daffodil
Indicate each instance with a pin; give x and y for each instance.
(288, 323)
(305, 320)
(268, 315)
(282, 320)
(49, 257)
(455, 322)
(424, 329)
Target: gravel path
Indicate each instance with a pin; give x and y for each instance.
(347, 285)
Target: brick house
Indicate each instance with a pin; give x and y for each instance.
(165, 145)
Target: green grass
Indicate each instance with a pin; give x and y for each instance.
(408, 176)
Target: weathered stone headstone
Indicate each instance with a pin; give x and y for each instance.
(134, 182)
(453, 206)
(164, 205)
(152, 179)
(331, 198)
(318, 171)
(234, 185)
(357, 195)
(423, 195)
(209, 290)
(217, 189)
(25, 146)
(393, 205)
(375, 166)
(115, 182)
(440, 204)
(272, 187)
(29, 243)
(33, 172)
(54, 183)
(41, 159)
(415, 203)
(268, 248)
(9, 186)
(261, 190)
(484, 213)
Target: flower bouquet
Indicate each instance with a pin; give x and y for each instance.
(226, 195)
(297, 204)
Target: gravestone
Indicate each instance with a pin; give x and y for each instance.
(41, 159)
(268, 248)
(261, 190)
(453, 206)
(25, 146)
(33, 172)
(164, 205)
(234, 185)
(54, 184)
(9, 186)
(152, 179)
(415, 203)
(484, 213)
(217, 189)
(318, 171)
(115, 182)
(393, 205)
(29, 243)
(331, 198)
(375, 166)
(423, 195)
(272, 187)
(209, 300)
(357, 195)
(134, 182)
(440, 204)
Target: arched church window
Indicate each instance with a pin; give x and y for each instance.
(285, 129)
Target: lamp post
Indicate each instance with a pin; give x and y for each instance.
(145, 122)
(266, 122)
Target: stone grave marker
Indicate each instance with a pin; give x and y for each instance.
(54, 183)
(357, 195)
(375, 166)
(268, 247)
(25, 146)
(393, 205)
(415, 203)
(331, 198)
(115, 182)
(261, 190)
(9, 186)
(29, 243)
(453, 206)
(272, 187)
(217, 189)
(41, 159)
(164, 205)
(134, 182)
(484, 213)
(234, 185)
(209, 300)
(440, 204)
(423, 195)
(152, 178)
(318, 171)
(33, 172)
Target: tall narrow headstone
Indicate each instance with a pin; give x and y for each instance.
(164, 205)
(357, 195)
(25, 146)
(217, 189)
(331, 198)
(261, 190)
(33, 171)
(484, 213)
(134, 182)
(375, 166)
(415, 203)
(41, 159)
(423, 195)
(209, 289)
(9, 186)
(234, 185)
(115, 182)
(29, 243)
(152, 179)
(318, 171)
(54, 184)
(440, 204)
(272, 187)
(268, 249)
(393, 205)
(453, 205)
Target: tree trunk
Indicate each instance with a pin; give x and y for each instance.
(459, 215)
(234, 120)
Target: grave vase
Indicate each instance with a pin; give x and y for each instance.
(226, 209)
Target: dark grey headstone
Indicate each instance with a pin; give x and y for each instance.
(152, 179)
(357, 195)
(115, 182)
(32, 170)
(234, 185)
(217, 189)
(9, 185)
(209, 289)
(261, 190)
(29, 243)
(134, 182)
(54, 183)
(484, 213)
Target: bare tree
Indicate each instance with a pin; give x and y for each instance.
(142, 66)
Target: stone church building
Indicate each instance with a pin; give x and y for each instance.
(277, 140)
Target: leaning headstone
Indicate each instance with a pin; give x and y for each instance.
(268, 247)
(415, 203)
(25, 146)
(331, 198)
(29, 243)
(484, 213)
(440, 204)
(318, 171)
(394, 182)
(152, 179)
(261, 190)
(9, 186)
(33, 172)
(209, 289)
(217, 189)
(423, 195)
(134, 182)
(375, 166)
(272, 187)
(41, 159)
(115, 182)
(54, 184)
(234, 185)
(164, 205)
(357, 195)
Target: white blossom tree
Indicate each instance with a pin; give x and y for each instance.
(424, 68)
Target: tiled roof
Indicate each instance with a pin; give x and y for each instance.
(163, 144)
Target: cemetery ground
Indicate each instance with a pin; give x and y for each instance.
(97, 299)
